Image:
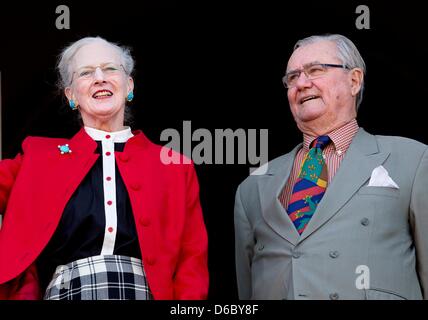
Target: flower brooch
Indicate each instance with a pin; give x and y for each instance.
(64, 148)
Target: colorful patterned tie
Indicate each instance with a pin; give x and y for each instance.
(310, 185)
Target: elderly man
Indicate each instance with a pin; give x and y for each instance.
(344, 215)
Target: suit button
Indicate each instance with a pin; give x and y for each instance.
(124, 157)
(365, 222)
(334, 254)
(334, 296)
(261, 247)
(296, 254)
(145, 221)
(135, 186)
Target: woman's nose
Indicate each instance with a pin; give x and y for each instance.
(98, 74)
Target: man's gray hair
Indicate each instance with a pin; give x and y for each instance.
(66, 56)
(347, 52)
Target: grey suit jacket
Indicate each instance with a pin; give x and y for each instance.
(382, 229)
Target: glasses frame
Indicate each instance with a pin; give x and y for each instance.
(324, 65)
(95, 68)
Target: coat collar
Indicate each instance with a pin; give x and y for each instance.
(116, 136)
(82, 143)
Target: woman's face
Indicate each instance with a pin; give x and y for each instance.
(99, 86)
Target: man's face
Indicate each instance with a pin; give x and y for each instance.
(327, 100)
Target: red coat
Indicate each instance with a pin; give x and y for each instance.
(36, 186)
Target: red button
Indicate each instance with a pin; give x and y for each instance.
(108, 153)
(109, 202)
(110, 229)
(124, 157)
(108, 178)
(108, 136)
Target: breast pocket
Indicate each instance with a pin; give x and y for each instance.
(379, 191)
(389, 209)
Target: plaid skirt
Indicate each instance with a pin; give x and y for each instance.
(106, 277)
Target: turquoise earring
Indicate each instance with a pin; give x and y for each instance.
(72, 104)
(130, 96)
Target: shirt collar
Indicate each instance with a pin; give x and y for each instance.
(341, 137)
(116, 136)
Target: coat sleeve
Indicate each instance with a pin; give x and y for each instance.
(9, 169)
(191, 276)
(243, 249)
(419, 221)
(26, 285)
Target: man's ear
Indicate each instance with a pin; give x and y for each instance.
(357, 76)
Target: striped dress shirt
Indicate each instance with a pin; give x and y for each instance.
(333, 154)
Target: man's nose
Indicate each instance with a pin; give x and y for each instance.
(303, 81)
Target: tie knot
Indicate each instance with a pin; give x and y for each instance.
(321, 142)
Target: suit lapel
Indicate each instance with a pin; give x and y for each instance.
(361, 158)
(270, 186)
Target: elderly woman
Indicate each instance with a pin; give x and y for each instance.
(100, 216)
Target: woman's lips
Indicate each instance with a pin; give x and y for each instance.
(102, 94)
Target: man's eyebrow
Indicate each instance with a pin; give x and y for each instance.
(305, 65)
(312, 63)
(91, 66)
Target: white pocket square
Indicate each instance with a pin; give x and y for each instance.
(381, 178)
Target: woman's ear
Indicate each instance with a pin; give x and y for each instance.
(68, 94)
(130, 84)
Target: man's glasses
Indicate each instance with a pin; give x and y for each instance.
(311, 71)
(108, 69)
